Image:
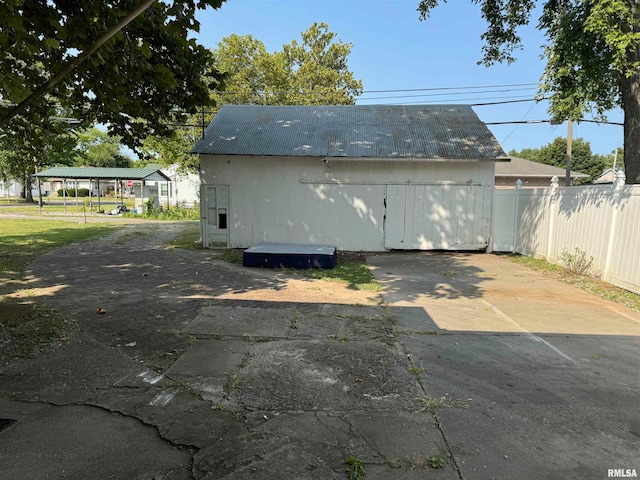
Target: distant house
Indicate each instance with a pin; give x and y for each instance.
(608, 176)
(184, 187)
(10, 188)
(13, 188)
(532, 174)
(360, 177)
(139, 183)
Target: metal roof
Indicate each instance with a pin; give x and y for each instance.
(521, 167)
(80, 173)
(361, 131)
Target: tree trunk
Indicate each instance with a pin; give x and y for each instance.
(630, 92)
(28, 191)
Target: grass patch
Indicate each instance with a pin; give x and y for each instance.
(21, 241)
(73, 208)
(588, 284)
(25, 334)
(356, 469)
(26, 327)
(188, 238)
(351, 269)
(432, 405)
(231, 255)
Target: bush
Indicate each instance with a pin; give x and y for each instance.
(71, 192)
(576, 262)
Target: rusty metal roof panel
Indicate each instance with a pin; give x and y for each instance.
(380, 131)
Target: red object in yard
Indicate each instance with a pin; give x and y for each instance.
(129, 184)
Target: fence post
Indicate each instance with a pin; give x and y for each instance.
(553, 194)
(516, 226)
(618, 184)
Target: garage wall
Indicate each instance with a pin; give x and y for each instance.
(343, 203)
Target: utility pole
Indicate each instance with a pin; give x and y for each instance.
(567, 180)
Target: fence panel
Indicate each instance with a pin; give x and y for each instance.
(602, 220)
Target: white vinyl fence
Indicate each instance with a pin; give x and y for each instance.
(602, 220)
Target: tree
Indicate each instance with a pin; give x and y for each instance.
(18, 163)
(173, 149)
(582, 159)
(313, 71)
(593, 51)
(96, 148)
(132, 84)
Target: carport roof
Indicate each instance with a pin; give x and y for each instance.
(370, 132)
(104, 173)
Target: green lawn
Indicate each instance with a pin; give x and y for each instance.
(22, 240)
(26, 324)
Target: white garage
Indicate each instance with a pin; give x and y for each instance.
(363, 178)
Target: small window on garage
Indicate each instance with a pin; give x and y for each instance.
(222, 218)
(164, 189)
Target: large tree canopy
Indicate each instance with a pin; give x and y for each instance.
(593, 52)
(313, 71)
(96, 148)
(132, 84)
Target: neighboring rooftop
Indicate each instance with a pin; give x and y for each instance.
(521, 167)
(437, 132)
(104, 173)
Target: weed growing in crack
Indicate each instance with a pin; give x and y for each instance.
(233, 382)
(394, 463)
(436, 461)
(387, 316)
(431, 405)
(416, 371)
(237, 416)
(356, 469)
(295, 316)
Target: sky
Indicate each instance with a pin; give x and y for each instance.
(394, 50)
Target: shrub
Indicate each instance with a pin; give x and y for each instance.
(71, 192)
(576, 262)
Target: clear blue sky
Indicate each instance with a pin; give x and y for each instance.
(393, 50)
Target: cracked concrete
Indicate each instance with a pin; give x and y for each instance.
(205, 370)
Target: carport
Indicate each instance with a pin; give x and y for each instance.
(115, 176)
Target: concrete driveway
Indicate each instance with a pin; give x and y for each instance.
(552, 373)
(198, 369)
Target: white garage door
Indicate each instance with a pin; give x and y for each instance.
(434, 217)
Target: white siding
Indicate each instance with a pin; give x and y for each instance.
(305, 200)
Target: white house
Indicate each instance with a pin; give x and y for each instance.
(182, 190)
(10, 188)
(363, 178)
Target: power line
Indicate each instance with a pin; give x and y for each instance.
(443, 94)
(364, 92)
(467, 101)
